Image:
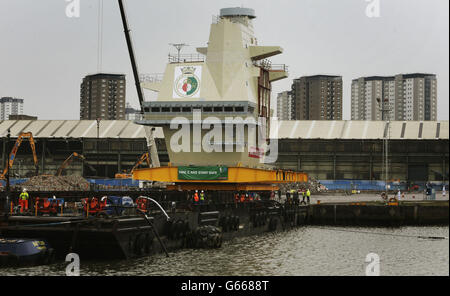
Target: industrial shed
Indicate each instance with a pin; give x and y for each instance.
(326, 150)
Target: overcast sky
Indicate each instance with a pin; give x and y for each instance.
(44, 54)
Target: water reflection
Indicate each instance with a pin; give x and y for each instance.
(300, 252)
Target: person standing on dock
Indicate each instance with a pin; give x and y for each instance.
(308, 194)
(202, 197)
(236, 198)
(444, 193)
(23, 200)
(196, 198)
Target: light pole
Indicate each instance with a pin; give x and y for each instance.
(7, 189)
(384, 109)
(98, 137)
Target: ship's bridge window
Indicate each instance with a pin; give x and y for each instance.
(187, 109)
(251, 109)
(146, 109)
(165, 109)
(176, 109)
(218, 109)
(228, 109)
(207, 109)
(156, 109)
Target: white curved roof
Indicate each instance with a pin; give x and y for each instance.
(125, 129)
(370, 130)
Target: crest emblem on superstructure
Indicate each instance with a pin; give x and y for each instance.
(187, 83)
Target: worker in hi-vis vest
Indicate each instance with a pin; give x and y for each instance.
(23, 200)
(202, 197)
(308, 194)
(196, 199)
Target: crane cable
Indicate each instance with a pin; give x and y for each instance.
(386, 234)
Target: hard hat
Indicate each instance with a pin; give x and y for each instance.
(196, 190)
(202, 191)
(24, 190)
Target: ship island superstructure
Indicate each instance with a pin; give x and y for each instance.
(214, 106)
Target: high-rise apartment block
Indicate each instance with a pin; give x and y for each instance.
(403, 97)
(317, 97)
(10, 106)
(285, 106)
(103, 96)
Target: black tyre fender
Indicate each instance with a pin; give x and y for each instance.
(51, 256)
(273, 223)
(139, 244)
(181, 229)
(236, 224)
(203, 231)
(256, 221)
(226, 224)
(148, 246)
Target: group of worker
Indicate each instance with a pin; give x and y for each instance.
(199, 198)
(294, 195)
(245, 197)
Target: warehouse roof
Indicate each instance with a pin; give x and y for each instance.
(370, 130)
(125, 129)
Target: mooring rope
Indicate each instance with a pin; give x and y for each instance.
(386, 234)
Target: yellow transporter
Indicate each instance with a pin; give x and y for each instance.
(214, 109)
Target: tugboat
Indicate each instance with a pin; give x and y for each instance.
(25, 252)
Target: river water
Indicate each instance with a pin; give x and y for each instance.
(307, 251)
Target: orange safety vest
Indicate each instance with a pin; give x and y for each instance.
(196, 197)
(242, 198)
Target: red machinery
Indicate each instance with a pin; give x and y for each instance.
(143, 204)
(47, 206)
(94, 206)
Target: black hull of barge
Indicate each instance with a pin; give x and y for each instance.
(133, 236)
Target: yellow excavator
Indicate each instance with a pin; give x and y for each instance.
(68, 161)
(12, 155)
(126, 175)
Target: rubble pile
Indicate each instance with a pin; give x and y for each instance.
(312, 184)
(56, 183)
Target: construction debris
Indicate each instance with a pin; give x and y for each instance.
(55, 183)
(312, 184)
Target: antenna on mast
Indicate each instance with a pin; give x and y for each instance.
(178, 46)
